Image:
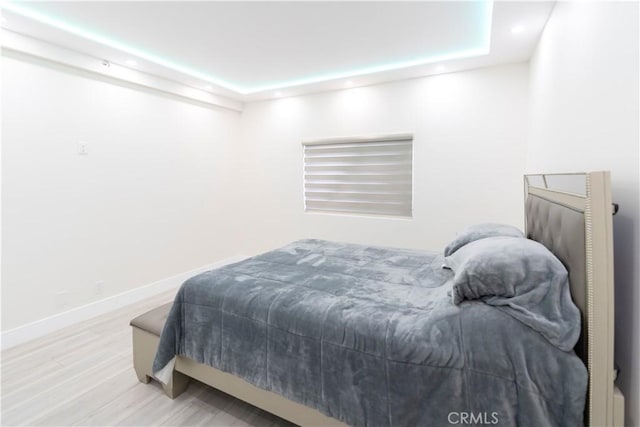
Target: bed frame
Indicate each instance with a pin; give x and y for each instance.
(576, 225)
(571, 214)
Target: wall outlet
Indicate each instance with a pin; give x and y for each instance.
(83, 148)
(98, 288)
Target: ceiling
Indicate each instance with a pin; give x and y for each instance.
(257, 50)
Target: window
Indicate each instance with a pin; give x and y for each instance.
(359, 175)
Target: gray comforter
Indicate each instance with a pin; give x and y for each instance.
(370, 336)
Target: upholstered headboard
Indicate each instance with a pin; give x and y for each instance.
(571, 214)
(561, 229)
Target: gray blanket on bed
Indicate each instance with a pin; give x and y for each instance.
(370, 336)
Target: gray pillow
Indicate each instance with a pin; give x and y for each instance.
(481, 231)
(500, 266)
(521, 277)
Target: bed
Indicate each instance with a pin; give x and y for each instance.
(326, 333)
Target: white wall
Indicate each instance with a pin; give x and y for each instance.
(584, 116)
(469, 153)
(151, 199)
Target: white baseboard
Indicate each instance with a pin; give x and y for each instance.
(39, 328)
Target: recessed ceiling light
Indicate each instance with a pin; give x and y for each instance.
(278, 93)
(208, 87)
(131, 62)
(348, 83)
(440, 68)
(517, 29)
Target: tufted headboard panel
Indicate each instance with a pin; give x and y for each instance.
(571, 214)
(561, 228)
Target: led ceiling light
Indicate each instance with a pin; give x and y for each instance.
(480, 46)
(517, 29)
(22, 10)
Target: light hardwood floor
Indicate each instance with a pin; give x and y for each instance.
(83, 375)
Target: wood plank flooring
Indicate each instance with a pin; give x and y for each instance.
(83, 376)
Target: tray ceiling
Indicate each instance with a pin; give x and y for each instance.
(260, 49)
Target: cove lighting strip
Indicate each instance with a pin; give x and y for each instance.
(483, 48)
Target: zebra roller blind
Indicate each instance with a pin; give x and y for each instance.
(359, 175)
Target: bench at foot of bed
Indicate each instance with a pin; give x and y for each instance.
(146, 335)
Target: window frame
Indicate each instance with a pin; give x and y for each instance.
(406, 137)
